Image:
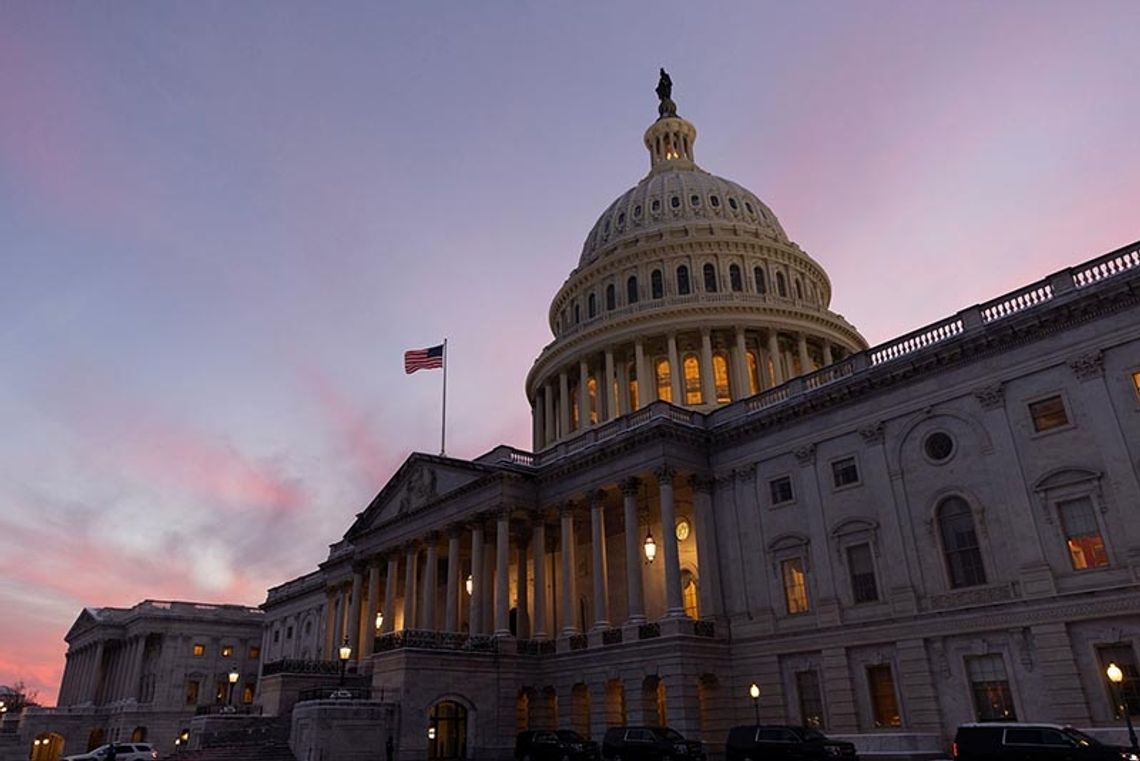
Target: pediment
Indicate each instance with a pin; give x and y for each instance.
(87, 620)
(1062, 477)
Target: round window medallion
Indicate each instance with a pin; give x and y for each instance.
(682, 530)
(938, 446)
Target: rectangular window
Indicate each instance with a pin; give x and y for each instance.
(1048, 414)
(247, 694)
(884, 703)
(989, 686)
(1082, 534)
(254, 652)
(1136, 384)
(192, 687)
(811, 701)
(844, 472)
(199, 650)
(795, 585)
(862, 570)
(781, 490)
(1127, 693)
(227, 651)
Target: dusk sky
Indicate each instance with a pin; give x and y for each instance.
(221, 225)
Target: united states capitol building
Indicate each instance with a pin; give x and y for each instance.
(728, 486)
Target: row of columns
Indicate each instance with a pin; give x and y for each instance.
(552, 412)
(346, 602)
(96, 675)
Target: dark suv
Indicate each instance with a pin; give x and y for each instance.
(554, 745)
(649, 744)
(754, 742)
(1031, 742)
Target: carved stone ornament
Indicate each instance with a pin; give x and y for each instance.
(701, 483)
(419, 490)
(805, 455)
(630, 486)
(665, 475)
(747, 473)
(873, 434)
(990, 397)
(1088, 366)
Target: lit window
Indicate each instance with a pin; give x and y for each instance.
(884, 702)
(734, 279)
(781, 490)
(634, 396)
(753, 372)
(720, 376)
(657, 284)
(689, 595)
(844, 472)
(227, 651)
(592, 392)
(1082, 534)
(795, 585)
(192, 688)
(574, 406)
(1136, 383)
(247, 694)
(862, 570)
(710, 278)
(683, 280)
(989, 686)
(611, 299)
(199, 650)
(664, 381)
(631, 290)
(692, 368)
(758, 276)
(254, 652)
(1128, 692)
(811, 700)
(1048, 414)
(960, 543)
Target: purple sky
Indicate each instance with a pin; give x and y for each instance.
(221, 225)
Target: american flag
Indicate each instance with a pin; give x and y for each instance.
(423, 359)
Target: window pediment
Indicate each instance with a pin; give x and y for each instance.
(1066, 477)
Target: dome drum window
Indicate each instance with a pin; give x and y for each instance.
(714, 201)
(733, 204)
(683, 287)
(655, 205)
(611, 297)
(657, 284)
(695, 200)
(710, 278)
(675, 202)
(637, 212)
(734, 279)
(761, 284)
(631, 293)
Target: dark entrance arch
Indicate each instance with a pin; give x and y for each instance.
(447, 731)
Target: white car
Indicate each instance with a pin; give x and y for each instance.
(123, 752)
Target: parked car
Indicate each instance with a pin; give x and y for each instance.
(554, 745)
(649, 744)
(123, 752)
(1032, 742)
(756, 742)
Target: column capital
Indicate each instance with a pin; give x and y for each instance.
(567, 509)
(701, 482)
(630, 486)
(664, 475)
(431, 540)
(596, 498)
(455, 531)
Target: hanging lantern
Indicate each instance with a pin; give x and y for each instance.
(379, 620)
(650, 547)
(469, 583)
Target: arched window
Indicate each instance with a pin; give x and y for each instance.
(710, 278)
(592, 392)
(577, 313)
(734, 279)
(720, 375)
(611, 297)
(761, 285)
(683, 288)
(960, 543)
(631, 290)
(664, 381)
(657, 284)
(689, 595)
(447, 731)
(592, 306)
(753, 372)
(781, 285)
(799, 289)
(692, 368)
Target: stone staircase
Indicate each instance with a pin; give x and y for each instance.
(250, 739)
(268, 750)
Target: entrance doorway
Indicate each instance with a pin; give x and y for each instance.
(447, 731)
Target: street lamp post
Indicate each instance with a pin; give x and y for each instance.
(754, 693)
(345, 653)
(1116, 677)
(234, 675)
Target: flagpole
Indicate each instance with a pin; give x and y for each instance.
(443, 423)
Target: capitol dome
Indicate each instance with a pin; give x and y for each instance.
(687, 290)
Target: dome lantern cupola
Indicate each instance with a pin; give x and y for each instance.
(670, 139)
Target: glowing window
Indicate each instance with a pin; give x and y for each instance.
(592, 392)
(795, 585)
(689, 595)
(247, 694)
(631, 290)
(683, 287)
(710, 278)
(1082, 534)
(199, 650)
(634, 396)
(1136, 383)
(227, 651)
(884, 703)
(254, 652)
(192, 688)
(1048, 414)
(574, 406)
(734, 278)
(993, 700)
(753, 372)
(720, 375)
(664, 381)
(692, 369)
(657, 284)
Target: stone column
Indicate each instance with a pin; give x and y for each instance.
(548, 409)
(502, 577)
(522, 628)
(598, 547)
(476, 615)
(431, 585)
(708, 382)
(583, 395)
(774, 353)
(916, 686)
(410, 587)
(1063, 692)
(674, 605)
(675, 373)
(390, 594)
(629, 489)
(708, 581)
(538, 540)
(611, 397)
(743, 377)
(354, 613)
(836, 678)
(623, 401)
(373, 609)
(330, 625)
(564, 403)
(646, 388)
(569, 584)
(451, 617)
(827, 356)
(801, 345)
(536, 420)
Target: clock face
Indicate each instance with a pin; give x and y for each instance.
(682, 530)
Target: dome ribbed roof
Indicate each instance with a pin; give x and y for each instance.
(678, 197)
